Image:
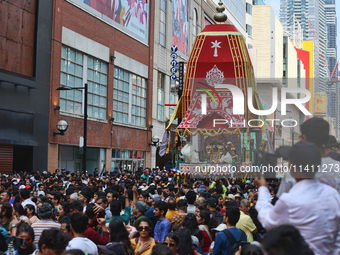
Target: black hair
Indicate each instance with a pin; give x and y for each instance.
(76, 204)
(316, 131)
(172, 203)
(118, 233)
(90, 211)
(45, 211)
(233, 214)
(53, 238)
(24, 227)
(205, 215)
(107, 252)
(115, 207)
(65, 219)
(7, 193)
(144, 220)
(66, 206)
(57, 196)
(25, 193)
(251, 249)
(87, 194)
(174, 236)
(6, 207)
(162, 206)
(285, 239)
(191, 197)
(190, 222)
(159, 249)
(79, 222)
(30, 207)
(185, 242)
(181, 204)
(18, 208)
(73, 252)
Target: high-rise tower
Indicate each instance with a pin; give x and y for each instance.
(314, 11)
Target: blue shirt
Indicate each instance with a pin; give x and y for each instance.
(223, 244)
(162, 228)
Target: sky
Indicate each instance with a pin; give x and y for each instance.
(275, 4)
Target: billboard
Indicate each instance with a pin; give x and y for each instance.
(180, 25)
(320, 104)
(131, 14)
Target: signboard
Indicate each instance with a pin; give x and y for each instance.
(181, 78)
(320, 104)
(130, 14)
(180, 25)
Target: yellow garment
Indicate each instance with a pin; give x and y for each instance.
(171, 213)
(177, 199)
(247, 225)
(135, 246)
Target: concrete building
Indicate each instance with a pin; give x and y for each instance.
(278, 66)
(333, 91)
(314, 10)
(114, 56)
(25, 47)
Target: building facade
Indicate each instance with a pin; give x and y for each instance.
(305, 11)
(331, 56)
(113, 54)
(25, 47)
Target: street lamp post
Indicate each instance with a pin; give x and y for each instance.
(85, 119)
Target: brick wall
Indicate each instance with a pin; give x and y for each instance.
(99, 133)
(52, 157)
(17, 36)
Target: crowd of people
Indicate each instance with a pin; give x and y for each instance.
(151, 211)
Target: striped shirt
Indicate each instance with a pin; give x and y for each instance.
(40, 226)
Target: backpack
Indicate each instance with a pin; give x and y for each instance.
(235, 244)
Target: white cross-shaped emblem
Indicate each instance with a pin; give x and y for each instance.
(216, 45)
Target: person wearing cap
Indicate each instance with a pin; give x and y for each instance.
(85, 197)
(46, 222)
(332, 148)
(211, 207)
(315, 130)
(139, 209)
(245, 222)
(311, 206)
(163, 226)
(146, 175)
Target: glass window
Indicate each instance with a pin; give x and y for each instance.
(72, 73)
(129, 105)
(162, 23)
(194, 25)
(160, 97)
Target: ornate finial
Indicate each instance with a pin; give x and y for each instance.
(220, 16)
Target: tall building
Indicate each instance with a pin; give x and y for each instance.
(314, 11)
(331, 56)
(25, 46)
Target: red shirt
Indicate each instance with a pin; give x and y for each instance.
(94, 236)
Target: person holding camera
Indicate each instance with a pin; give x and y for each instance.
(22, 237)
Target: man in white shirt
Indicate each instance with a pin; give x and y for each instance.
(311, 206)
(316, 130)
(78, 227)
(25, 196)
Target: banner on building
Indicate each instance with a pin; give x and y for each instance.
(180, 25)
(320, 104)
(131, 14)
